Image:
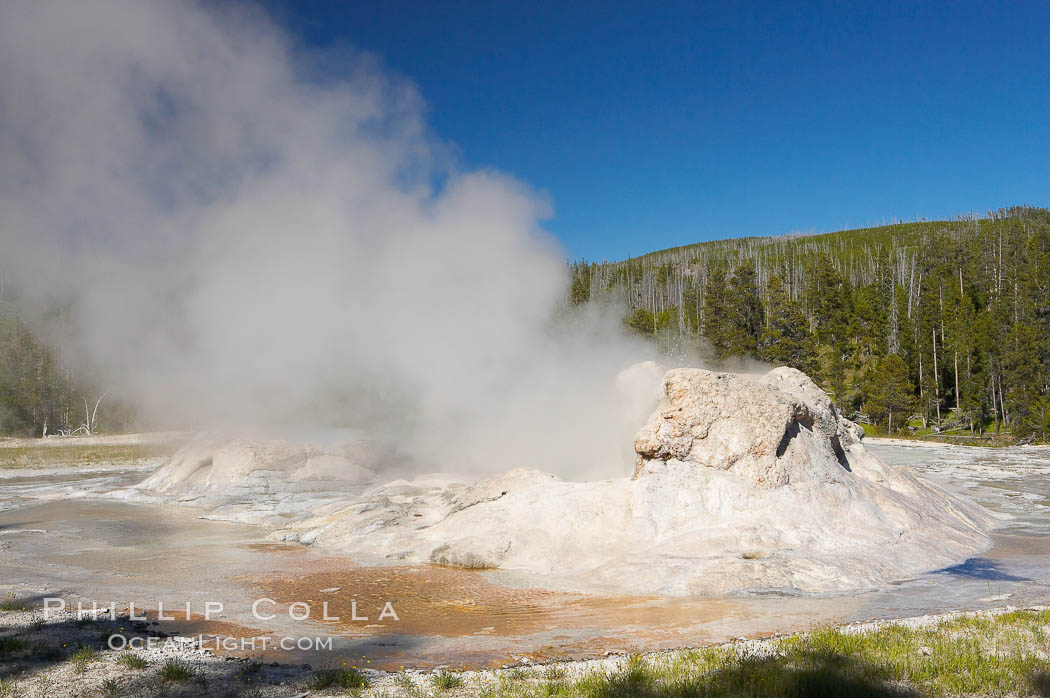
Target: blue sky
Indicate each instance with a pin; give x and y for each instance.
(654, 125)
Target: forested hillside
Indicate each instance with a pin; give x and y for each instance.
(927, 326)
(39, 395)
(947, 322)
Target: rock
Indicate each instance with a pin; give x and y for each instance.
(217, 460)
(746, 483)
(764, 429)
(472, 552)
(251, 478)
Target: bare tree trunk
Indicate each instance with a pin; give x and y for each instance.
(999, 271)
(995, 406)
(894, 342)
(922, 397)
(94, 412)
(936, 379)
(957, 402)
(1006, 417)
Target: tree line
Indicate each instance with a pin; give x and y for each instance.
(40, 395)
(928, 326)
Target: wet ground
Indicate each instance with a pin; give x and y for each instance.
(58, 539)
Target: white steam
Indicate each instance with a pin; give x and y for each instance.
(243, 244)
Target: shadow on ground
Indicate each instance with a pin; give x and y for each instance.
(74, 655)
(1040, 683)
(808, 675)
(982, 568)
(36, 648)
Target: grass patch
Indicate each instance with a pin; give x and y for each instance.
(130, 660)
(82, 657)
(11, 603)
(178, 671)
(110, 687)
(444, 680)
(958, 436)
(409, 688)
(7, 688)
(78, 454)
(337, 678)
(517, 674)
(1000, 655)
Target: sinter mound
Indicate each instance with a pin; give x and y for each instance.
(253, 478)
(743, 483)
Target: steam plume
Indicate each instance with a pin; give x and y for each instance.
(244, 243)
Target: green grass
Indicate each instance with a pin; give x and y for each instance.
(178, 671)
(957, 437)
(11, 603)
(337, 678)
(444, 680)
(986, 656)
(77, 454)
(7, 688)
(131, 660)
(82, 657)
(517, 673)
(110, 687)
(408, 687)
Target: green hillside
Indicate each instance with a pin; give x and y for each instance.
(918, 327)
(945, 322)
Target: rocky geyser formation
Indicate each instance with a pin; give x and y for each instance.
(764, 429)
(744, 483)
(253, 478)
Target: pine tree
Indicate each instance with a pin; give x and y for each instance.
(580, 291)
(717, 328)
(891, 391)
(642, 322)
(828, 302)
(785, 339)
(744, 312)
